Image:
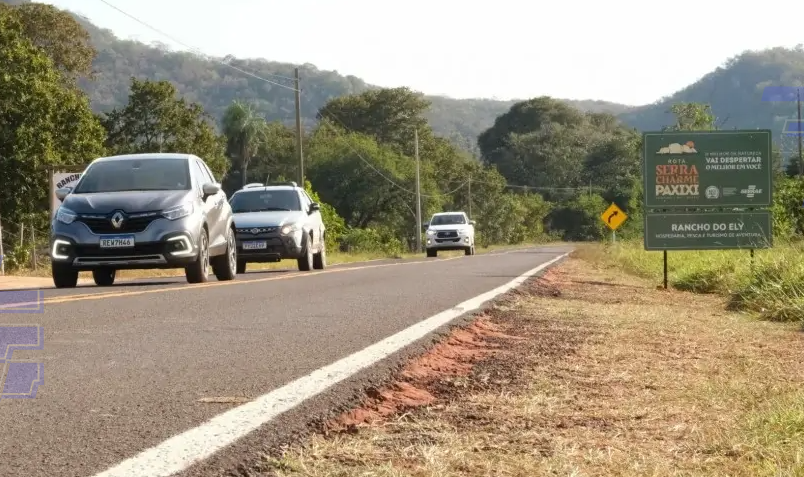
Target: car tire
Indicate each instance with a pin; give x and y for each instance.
(241, 266)
(224, 266)
(305, 262)
(64, 276)
(104, 277)
(467, 251)
(198, 271)
(432, 252)
(320, 259)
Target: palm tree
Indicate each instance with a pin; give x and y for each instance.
(244, 129)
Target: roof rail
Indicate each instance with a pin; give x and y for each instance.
(253, 184)
(286, 183)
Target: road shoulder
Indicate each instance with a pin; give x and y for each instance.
(584, 370)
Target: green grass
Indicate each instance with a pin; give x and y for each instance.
(771, 285)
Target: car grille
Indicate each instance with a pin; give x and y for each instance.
(249, 233)
(447, 234)
(138, 249)
(131, 224)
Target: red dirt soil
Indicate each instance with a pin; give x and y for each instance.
(453, 356)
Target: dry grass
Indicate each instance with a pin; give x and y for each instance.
(615, 378)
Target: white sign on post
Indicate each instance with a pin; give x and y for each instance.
(60, 180)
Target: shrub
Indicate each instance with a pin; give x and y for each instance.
(371, 240)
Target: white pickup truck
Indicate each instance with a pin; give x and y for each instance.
(450, 231)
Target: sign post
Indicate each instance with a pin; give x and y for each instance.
(707, 190)
(613, 217)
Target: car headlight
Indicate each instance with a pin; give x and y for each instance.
(65, 216)
(431, 232)
(289, 229)
(178, 212)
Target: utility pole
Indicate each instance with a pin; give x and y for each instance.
(418, 194)
(469, 184)
(299, 133)
(798, 130)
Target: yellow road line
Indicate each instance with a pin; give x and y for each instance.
(99, 296)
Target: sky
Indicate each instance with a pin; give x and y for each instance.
(623, 51)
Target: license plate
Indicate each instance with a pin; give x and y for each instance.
(117, 241)
(255, 245)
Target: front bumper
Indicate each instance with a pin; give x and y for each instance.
(448, 243)
(162, 244)
(271, 245)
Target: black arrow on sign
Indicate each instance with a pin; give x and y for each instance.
(612, 216)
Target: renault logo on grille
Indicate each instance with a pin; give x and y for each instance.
(255, 231)
(117, 220)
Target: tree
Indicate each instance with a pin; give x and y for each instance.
(244, 130)
(389, 116)
(692, 117)
(59, 35)
(155, 120)
(42, 124)
(367, 183)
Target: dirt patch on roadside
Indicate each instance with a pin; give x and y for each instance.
(421, 380)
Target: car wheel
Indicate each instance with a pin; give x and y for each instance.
(225, 266)
(306, 261)
(241, 266)
(431, 252)
(467, 251)
(64, 276)
(104, 277)
(320, 259)
(198, 271)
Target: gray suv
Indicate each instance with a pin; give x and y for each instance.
(276, 222)
(143, 211)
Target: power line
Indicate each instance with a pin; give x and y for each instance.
(331, 116)
(199, 52)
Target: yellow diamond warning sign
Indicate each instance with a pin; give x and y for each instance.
(613, 217)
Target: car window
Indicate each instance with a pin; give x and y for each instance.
(202, 175)
(450, 219)
(135, 175)
(305, 201)
(265, 201)
(200, 180)
(207, 172)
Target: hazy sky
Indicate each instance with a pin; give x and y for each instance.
(627, 51)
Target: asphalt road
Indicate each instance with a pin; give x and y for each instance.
(126, 366)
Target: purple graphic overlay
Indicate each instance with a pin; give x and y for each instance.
(22, 301)
(20, 379)
(793, 127)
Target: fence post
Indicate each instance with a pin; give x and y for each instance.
(2, 257)
(33, 246)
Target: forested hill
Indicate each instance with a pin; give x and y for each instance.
(214, 86)
(734, 92)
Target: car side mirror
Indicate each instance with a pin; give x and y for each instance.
(472, 222)
(314, 207)
(210, 189)
(63, 192)
(426, 224)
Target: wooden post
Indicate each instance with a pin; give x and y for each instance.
(2, 257)
(33, 247)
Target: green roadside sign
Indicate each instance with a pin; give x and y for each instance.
(708, 169)
(708, 230)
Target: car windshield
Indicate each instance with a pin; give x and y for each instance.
(451, 219)
(135, 175)
(265, 201)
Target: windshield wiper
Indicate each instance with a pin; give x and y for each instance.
(274, 209)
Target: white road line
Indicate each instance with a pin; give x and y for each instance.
(182, 451)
